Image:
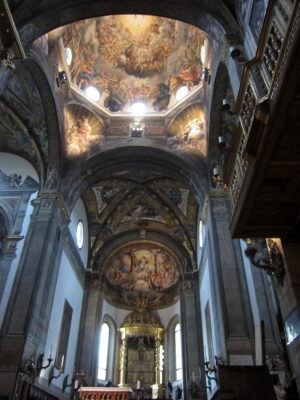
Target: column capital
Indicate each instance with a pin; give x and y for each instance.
(47, 204)
(190, 280)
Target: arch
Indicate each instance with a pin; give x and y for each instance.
(122, 162)
(210, 16)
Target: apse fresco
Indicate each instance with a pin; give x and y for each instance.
(142, 269)
(131, 57)
(188, 131)
(83, 131)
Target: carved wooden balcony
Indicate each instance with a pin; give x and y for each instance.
(264, 175)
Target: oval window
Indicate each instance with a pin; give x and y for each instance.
(79, 234)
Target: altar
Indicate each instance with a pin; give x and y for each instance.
(105, 393)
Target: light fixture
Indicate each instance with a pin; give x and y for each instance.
(68, 56)
(217, 179)
(138, 108)
(181, 93)
(92, 93)
(137, 129)
(62, 78)
(221, 142)
(226, 107)
(206, 75)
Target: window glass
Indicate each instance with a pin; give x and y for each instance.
(178, 356)
(103, 352)
(79, 234)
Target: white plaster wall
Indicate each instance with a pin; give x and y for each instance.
(79, 213)
(69, 288)
(117, 314)
(12, 164)
(166, 314)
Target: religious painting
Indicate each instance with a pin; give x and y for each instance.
(142, 211)
(83, 131)
(142, 269)
(188, 131)
(104, 194)
(134, 57)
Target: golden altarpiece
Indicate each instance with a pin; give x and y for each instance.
(141, 354)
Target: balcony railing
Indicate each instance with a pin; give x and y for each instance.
(261, 82)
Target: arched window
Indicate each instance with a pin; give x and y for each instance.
(201, 233)
(103, 351)
(178, 355)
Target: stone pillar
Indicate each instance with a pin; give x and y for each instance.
(26, 321)
(289, 299)
(8, 254)
(191, 336)
(89, 347)
(230, 286)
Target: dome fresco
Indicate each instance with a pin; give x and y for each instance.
(134, 57)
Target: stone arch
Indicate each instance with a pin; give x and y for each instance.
(211, 16)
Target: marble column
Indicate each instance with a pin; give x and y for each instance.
(89, 342)
(191, 336)
(27, 317)
(230, 286)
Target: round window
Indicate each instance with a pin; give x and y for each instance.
(79, 234)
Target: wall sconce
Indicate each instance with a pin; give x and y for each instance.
(52, 376)
(226, 107)
(265, 254)
(66, 384)
(39, 363)
(206, 75)
(217, 179)
(209, 370)
(236, 54)
(62, 78)
(221, 142)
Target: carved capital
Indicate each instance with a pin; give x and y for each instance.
(190, 280)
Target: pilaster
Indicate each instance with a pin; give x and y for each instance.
(191, 335)
(229, 268)
(28, 312)
(91, 328)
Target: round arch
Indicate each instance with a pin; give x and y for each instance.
(214, 18)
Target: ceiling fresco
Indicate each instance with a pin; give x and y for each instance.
(83, 131)
(133, 57)
(189, 131)
(142, 269)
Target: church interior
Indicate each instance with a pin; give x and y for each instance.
(149, 199)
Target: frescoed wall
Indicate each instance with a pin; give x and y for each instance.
(83, 131)
(142, 270)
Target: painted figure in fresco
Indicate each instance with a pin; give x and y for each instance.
(113, 101)
(163, 99)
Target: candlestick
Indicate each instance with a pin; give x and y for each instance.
(62, 361)
(193, 376)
